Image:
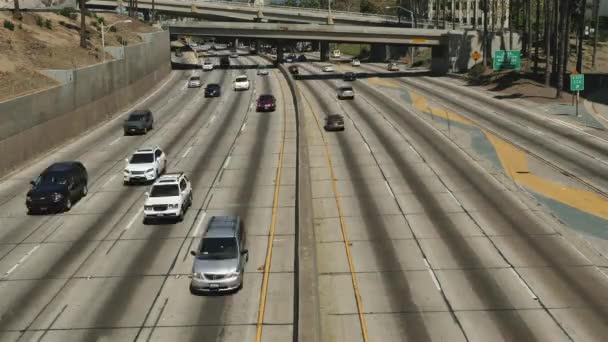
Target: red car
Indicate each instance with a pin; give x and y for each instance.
(266, 103)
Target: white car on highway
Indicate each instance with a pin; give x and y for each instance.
(328, 68)
(169, 197)
(207, 66)
(145, 165)
(241, 82)
(355, 62)
(194, 82)
(335, 54)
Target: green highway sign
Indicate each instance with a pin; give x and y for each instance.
(507, 59)
(577, 82)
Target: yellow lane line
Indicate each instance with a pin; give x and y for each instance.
(382, 82)
(275, 207)
(351, 265)
(515, 164)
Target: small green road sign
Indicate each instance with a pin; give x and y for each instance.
(577, 82)
(507, 59)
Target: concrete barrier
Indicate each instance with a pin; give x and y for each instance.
(33, 124)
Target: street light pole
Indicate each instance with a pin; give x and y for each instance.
(103, 37)
(404, 9)
(330, 20)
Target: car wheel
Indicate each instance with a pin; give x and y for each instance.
(145, 130)
(180, 218)
(146, 221)
(85, 191)
(68, 204)
(126, 133)
(193, 290)
(190, 200)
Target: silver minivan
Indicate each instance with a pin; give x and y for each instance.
(220, 259)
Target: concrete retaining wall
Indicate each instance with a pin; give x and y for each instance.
(33, 124)
(38, 4)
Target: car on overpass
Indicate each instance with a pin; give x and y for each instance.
(328, 68)
(335, 54)
(349, 76)
(293, 69)
(262, 71)
(207, 66)
(57, 188)
(355, 62)
(221, 256)
(392, 66)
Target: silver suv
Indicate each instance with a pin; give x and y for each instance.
(219, 261)
(346, 92)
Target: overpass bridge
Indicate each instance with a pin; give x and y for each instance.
(444, 44)
(237, 11)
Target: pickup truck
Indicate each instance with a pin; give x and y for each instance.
(241, 83)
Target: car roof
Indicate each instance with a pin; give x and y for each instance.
(169, 178)
(222, 226)
(241, 76)
(146, 149)
(335, 116)
(61, 166)
(140, 111)
(265, 96)
(213, 85)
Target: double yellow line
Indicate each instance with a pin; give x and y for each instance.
(275, 207)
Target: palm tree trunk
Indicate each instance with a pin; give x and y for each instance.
(556, 29)
(581, 32)
(436, 13)
(475, 15)
(596, 32)
(83, 24)
(510, 24)
(563, 48)
(17, 10)
(537, 35)
(566, 38)
(548, 24)
(485, 33)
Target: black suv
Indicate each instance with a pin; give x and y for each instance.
(213, 90)
(139, 121)
(293, 69)
(58, 187)
(350, 76)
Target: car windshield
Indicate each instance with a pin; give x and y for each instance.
(213, 86)
(164, 190)
(195, 78)
(266, 98)
(346, 89)
(52, 178)
(137, 117)
(241, 79)
(218, 249)
(142, 158)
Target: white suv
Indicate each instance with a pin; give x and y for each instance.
(145, 165)
(169, 197)
(241, 83)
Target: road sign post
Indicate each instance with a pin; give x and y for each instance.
(577, 83)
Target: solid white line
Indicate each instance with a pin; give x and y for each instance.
(367, 147)
(413, 149)
(109, 180)
(454, 197)
(435, 281)
(115, 141)
(227, 162)
(11, 270)
(199, 224)
(187, 151)
(134, 218)
(426, 263)
(243, 127)
(212, 119)
(521, 281)
(388, 187)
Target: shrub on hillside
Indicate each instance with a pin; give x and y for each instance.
(476, 72)
(48, 24)
(39, 20)
(101, 20)
(68, 12)
(9, 25)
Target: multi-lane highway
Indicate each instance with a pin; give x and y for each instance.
(430, 221)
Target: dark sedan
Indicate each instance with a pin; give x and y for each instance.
(57, 188)
(266, 103)
(350, 76)
(334, 122)
(213, 90)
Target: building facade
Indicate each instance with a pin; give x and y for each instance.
(465, 12)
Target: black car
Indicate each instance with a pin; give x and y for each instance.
(57, 188)
(294, 70)
(213, 90)
(224, 62)
(302, 58)
(334, 122)
(350, 76)
(139, 121)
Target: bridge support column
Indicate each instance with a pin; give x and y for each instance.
(279, 52)
(440, 59)
(324, 51)
(379, 52)
(236, 43)
(146, 14)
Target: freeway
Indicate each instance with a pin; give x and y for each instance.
(430, 220)
(97, 272)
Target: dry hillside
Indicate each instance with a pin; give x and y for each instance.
(33, 45)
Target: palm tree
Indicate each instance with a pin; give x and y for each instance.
(580, 12)
(83, 25)
(596, 32)
(561, 57)
(485, 32)
(547, 41)
(17, 11)
(537, 35)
